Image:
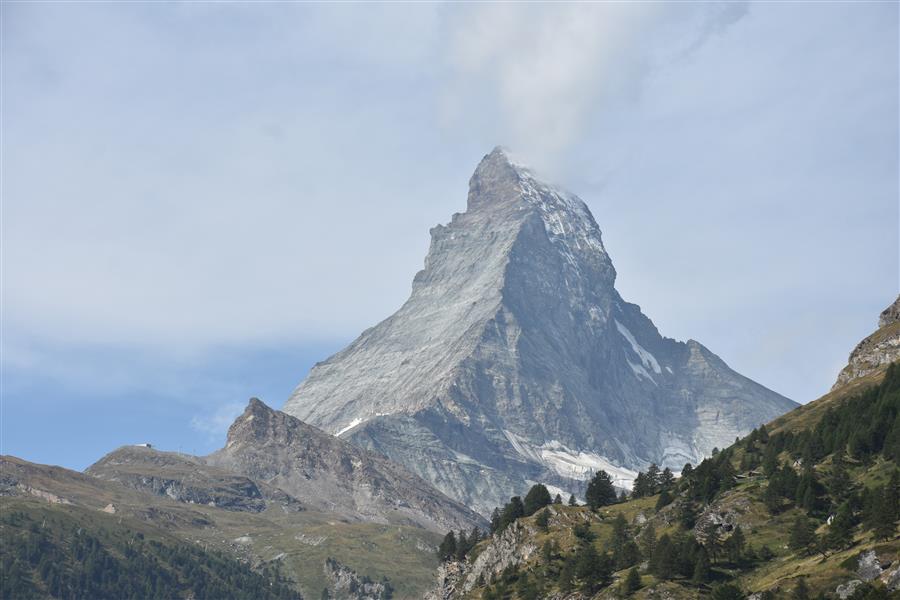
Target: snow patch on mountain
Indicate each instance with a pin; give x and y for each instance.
(573, 464)
(353, 423)
(578, 464)
(647, 359)
(640, 371)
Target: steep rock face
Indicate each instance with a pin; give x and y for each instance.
(513, 547)
(516, 360)
(328, 474)
(877, 351)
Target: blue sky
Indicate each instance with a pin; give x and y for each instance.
(201, 200)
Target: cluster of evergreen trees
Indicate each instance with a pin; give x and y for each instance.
(58, 557)
(808, 470)
(853, 434)
(456, 546)
(653, 482)
(537, 498)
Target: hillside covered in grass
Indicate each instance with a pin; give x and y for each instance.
(806, 507)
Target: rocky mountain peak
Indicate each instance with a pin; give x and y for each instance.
(258, 422)
(890, 315)
(327, 473)
(494, 181)
(515, 359)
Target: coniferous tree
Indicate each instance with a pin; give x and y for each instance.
(558, 499)
(770, 462)
(664, 559)
(495, 521)
(664, 499)
(537, 498)
(892, 494)
(641, 486)
(624, 551)
(801, 590)
(735, 544)
(600, 491)
(647, 540)
(543, 519)
(619, 535)
(511, 511)
(885, 516)
(803, 534)
(701, 568)
(653, 478)
(667, 479)
(839, 484)
(462, 545)
(447, 549)
(632, 582)
(713, 541)
(572, 500)
(687, 514)
(475, 536)
(840, 532)
(591, 569)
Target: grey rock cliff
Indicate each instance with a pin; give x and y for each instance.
(877, 351)
(329, 474)
(516, 360)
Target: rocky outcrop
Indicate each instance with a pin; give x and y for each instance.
(345, 584)
(329, 474)
(720, 518)
(891, 577)
(846, 590)
(449, 577)
(869, 567)
(515, 359)
(180, 477)
(890, 315)
(511, 548)
(877, 351)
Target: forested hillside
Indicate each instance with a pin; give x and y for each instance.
(63, 551)
(806, 512)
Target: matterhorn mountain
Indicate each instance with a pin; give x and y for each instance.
(515, 360)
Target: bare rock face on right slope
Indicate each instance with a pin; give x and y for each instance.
(516, 360)
(877, 351)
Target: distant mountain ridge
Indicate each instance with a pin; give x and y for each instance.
(329, 474)
(516, 360)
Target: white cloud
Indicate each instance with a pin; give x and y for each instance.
(543, 73)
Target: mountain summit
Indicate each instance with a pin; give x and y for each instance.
(516, 360)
